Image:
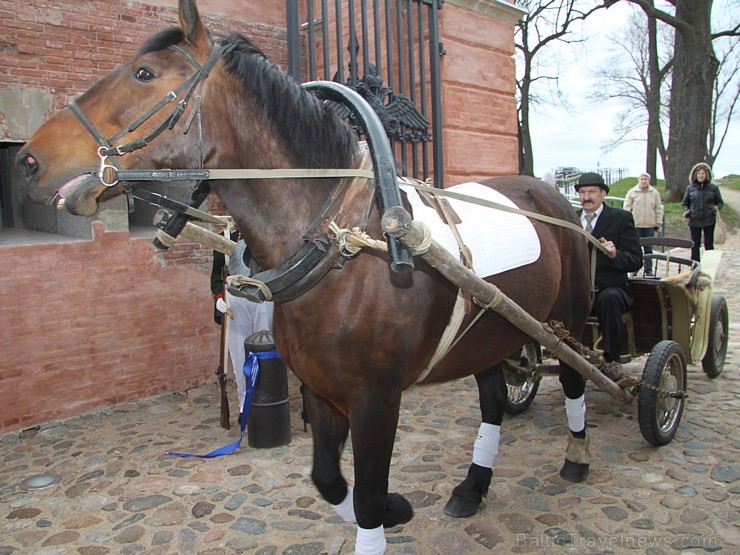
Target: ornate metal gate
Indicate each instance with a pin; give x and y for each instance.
(386, 50)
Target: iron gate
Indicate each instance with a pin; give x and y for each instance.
(386, 50)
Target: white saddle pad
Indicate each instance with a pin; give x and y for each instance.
(499, 241)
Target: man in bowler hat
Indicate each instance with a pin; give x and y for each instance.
(615, 229)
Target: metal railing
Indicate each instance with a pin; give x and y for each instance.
(389, 52)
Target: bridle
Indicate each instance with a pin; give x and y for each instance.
(384, 171)
(110, 174)
(109, 170)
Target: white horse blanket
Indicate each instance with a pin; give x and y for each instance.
(499, 241)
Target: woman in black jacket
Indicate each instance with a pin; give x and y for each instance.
(701, 202)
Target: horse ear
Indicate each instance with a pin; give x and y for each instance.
(190, 22)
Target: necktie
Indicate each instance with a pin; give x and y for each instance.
(589, 222)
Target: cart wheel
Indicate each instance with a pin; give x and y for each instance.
(714, 360)
(659, 415)
(522, 382)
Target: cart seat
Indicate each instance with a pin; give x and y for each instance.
(670, 261)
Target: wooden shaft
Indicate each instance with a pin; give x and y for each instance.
(208, 238)
(411, 234)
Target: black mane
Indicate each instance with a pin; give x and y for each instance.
(163, 39)
(311, 131)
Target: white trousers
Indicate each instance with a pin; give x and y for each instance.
(248, 318)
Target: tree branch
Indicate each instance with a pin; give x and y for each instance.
(651, 11)
(728, 33)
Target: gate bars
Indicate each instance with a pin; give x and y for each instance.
(389, 52)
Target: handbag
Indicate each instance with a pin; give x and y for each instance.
(719, 230)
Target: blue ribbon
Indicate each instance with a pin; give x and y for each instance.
(251, 373)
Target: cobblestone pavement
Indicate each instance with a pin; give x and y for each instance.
(119, 493)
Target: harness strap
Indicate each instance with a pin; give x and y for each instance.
(169, 97)
(349, 204)
(190, 84)
(288, 173)
(179, 207)
(491, 204)
(88, 124)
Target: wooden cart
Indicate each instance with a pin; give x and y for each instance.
(675, 320)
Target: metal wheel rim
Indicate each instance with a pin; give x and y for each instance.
(520, 392)
(720, 339)
(668, 408)
(517, 394)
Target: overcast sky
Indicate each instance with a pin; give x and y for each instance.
(574, 137)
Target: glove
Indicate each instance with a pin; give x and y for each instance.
(221, 305)
(686, 213)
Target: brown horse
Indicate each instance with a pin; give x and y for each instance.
(362, 333)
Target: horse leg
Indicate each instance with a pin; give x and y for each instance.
(373, 420)
(577, 454)
(468, 495)
(330, 429)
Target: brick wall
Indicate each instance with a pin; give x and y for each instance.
(84, 324)
(87, 323)
(479, 106)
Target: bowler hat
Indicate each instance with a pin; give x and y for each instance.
(591, 178)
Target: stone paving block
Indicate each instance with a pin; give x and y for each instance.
(120, 493)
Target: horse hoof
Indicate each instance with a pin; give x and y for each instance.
(574, 472)
(461, 507)
(397, 511)
(468, 494)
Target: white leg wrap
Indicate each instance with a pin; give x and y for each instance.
(485, 447)
(346, 509)
(370, 542)
(575, 410)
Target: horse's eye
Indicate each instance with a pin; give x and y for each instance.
(143, 74)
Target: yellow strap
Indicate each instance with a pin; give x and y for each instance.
(289, 173)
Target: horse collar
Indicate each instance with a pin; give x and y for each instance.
(348, 205)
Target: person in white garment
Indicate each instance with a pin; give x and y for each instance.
(245, 318)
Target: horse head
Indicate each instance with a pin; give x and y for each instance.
(152, 94)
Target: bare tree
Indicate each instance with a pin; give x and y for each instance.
(656, 77)
(547, 21)
(639, 84)
(695, 68)
(725, 96)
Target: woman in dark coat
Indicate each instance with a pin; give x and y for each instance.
(701, 202)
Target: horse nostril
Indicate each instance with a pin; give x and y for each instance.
(28, 165)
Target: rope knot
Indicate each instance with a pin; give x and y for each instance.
(351, 241)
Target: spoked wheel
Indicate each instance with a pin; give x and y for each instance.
(659, 414)
(522, 380)
(719, 323)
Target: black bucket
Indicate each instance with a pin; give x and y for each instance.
(268, 423)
